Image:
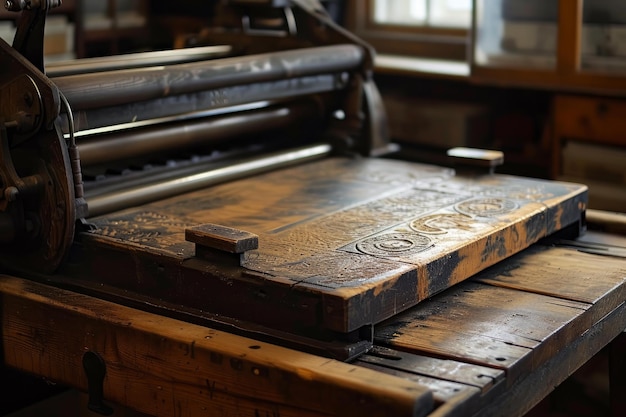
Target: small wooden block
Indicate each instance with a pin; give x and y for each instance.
(222, 238)
(476, 157)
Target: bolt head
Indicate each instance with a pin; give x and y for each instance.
(11, 193)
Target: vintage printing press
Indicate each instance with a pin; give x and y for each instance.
(244, 187)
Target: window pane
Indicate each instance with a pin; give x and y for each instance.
(442, 13)
(603, 37)
(516, 34)
(451, 13)
(400, 12)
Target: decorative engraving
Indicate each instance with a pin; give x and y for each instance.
(409, 177)
(140, 227)
(530, 193)
(394, 244)
(437, 224)
(502, 187)
(486, 206)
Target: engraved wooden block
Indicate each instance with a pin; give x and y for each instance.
(345, 242)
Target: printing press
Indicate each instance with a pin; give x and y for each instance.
(243, 184)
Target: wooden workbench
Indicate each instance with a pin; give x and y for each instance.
(493, 345)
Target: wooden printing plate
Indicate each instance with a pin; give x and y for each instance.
(342, 243)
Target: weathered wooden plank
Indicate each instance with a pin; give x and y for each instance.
(503, 326)
(452, 399)
(490, 325)
(165, 367)
(443, 390)
(365, 238)
(459, 406)
(523, 396)
(560, 272)
(606, 244)
(481, 377)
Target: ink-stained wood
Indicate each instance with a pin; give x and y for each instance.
(165, 367)
(342, 243)
(515, 315)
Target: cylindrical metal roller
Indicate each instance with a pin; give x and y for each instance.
(138, 60)
(101, 203)
(114, 88)
(159, 138)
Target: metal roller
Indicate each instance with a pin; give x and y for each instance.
(202, 104)
(138, 60)
(203, 131)
(108, 202)
(113, 88)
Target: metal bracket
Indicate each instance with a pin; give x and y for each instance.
(28, 39)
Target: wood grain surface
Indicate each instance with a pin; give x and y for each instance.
(165, 367)
(490, 346)
(343, 243)
(536, 317)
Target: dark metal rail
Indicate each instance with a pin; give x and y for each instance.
(101, 203)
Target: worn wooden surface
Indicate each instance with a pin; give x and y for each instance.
(165, 367)
(536, 317)
(343, 243)
(491, 346)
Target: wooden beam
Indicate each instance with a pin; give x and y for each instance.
(568, 44)
(165, 367)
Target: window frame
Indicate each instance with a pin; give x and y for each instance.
(417, 41)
